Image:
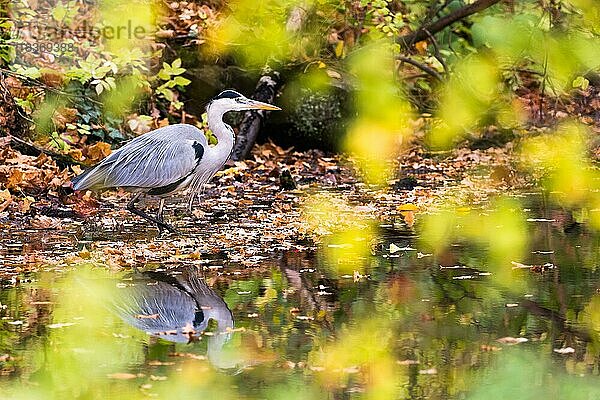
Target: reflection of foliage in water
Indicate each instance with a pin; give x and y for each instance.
(412, 330)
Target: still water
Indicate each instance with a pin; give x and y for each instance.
(399, 323)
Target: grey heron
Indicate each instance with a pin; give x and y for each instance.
(177, 308)
(170, 159)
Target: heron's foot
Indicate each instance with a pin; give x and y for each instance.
(163, 226)
(158, 221)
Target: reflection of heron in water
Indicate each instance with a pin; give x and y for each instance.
(177, 308)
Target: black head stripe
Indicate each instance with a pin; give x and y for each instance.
(228, 94)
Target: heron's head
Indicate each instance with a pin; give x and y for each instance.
(230, 100)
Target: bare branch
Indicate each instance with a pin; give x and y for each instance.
(422, 67)
(440, 24)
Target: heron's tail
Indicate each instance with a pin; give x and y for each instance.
(90, 179)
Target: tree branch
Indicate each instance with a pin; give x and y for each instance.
(421, 66)
(438, 25)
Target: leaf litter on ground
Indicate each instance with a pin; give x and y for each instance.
(244, 215)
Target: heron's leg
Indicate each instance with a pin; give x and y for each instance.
(161, 225)
(161, 205)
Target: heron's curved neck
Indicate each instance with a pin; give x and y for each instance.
(221, 130)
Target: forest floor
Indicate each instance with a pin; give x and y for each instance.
(248, 212)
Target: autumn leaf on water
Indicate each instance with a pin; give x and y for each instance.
(565, 350)
(60, 325)
(25, 204)
(84, 253)
(124, 376)
(189, 355)
(512, 340)
(85, 205)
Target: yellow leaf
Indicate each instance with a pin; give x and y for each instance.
(407, 207)
(339, 49)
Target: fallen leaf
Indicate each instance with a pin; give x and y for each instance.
(98, 151)
(512, 340)
(84, 253)
(44, 222)
(123, 376)
(60, 325)
(565, 350)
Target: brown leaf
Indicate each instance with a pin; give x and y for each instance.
(512, 340)
(44, 222)
(165, 33)
(98, 151)
(15, 178)
(5, 199)
(84, 253)
(64, 116)
(26, 204)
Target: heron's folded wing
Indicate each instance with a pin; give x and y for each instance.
(151, 162)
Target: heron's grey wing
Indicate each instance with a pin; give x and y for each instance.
(156, 308)
(154, 162)
(155, 159)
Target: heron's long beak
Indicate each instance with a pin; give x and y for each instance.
(262, 106)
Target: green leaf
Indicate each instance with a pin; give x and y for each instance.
(166, 93)
(176, 63)
(181, 81)
(30, 72)
(581, 82)
(164, 75)
(59, 12)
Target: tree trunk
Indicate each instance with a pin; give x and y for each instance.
(266, 89)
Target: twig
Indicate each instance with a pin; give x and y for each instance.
(422, 67)
(436, 49)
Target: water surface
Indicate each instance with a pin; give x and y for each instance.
(400, 322)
